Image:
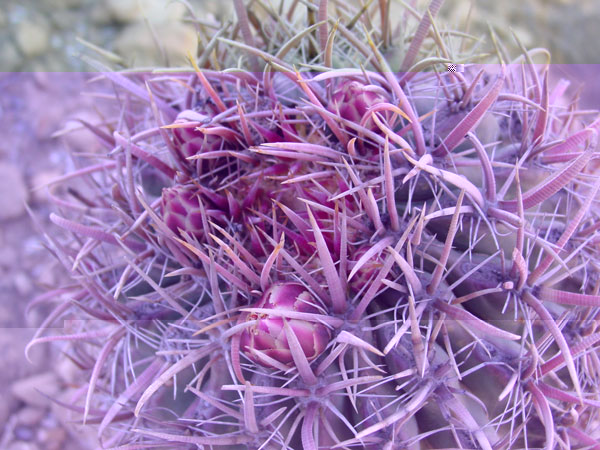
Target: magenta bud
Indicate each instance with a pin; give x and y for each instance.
(189, 141)
(181, 210)
(353, 99)
(268, 334)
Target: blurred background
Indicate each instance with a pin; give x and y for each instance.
(41, 35)
(40, 40)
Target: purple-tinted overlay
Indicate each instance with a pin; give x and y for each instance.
(584, 78)
(18, 101)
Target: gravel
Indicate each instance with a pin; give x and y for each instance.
(13, 192)
(38, 35)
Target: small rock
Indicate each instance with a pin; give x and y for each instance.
(63, 19)
(23, 433)
(46, 123)
(5, 284)
(99, 15)
(7, 315)
(52, 439)
(67, 370)
(126, 11)
(13, 192)
(50, 421)
(222, 11)
(6, 405)
(32, 37)
(84, 434)
(12, 342)
(64, 4)
(3, 18)
(27, 389)
(78, 136)
(20, 445)
(30, 416)
(39, 182)
(22, 283)
(8, 255)
(137, 44)
(9, 56)
(45, 277)
(35, 317)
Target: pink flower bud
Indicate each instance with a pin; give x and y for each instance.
(268, 334)
(353, 99)
(181, 210)
(188, 140)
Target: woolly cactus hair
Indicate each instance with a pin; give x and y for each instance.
(337, 258)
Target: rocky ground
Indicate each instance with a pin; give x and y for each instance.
(30, 157)
(42, 35)
(38, 37)
(48, 35)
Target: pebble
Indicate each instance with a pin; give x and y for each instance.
(125, 11)
(64, 18)
(5, 406)
(23, 433)
(9, 55)
(32, 37)
(27, 389)
(13, 192)
(17, 13)
(12, 343)
(99, 15)
(46, 277)
(78, 136)
(30, 415)
(64, 4)
(50, 421)
(22, 283)
(67, 370)
(39, 191)
(135, 43)
(20, 445)
(224, 10)
(8, 254)
(52, 439)
(84, 434)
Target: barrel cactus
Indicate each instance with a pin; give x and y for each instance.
(313, 249)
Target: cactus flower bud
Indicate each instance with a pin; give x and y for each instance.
(188, 140)
(268, 334)
(353, 99)
(181, 210)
